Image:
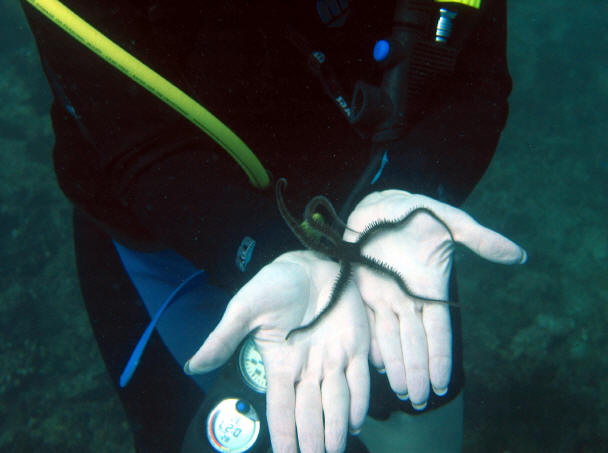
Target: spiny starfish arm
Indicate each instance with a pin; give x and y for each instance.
(322, 228)
(387, 225)
(322, 201)
(344, 275)
(383, 268)
(299, 232)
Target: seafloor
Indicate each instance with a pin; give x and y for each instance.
(535, 336)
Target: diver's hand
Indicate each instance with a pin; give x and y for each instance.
(318, 374)
(412, 340)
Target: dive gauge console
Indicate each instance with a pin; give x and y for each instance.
(232, 418)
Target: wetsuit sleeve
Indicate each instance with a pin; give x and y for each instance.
(448, 151)
(138, 167)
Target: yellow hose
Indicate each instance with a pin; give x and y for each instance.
(472, 3)
(157, 85)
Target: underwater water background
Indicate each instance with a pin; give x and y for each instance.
(536, 343)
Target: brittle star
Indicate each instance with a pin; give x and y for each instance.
(317, 235)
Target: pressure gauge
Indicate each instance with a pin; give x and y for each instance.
(251, 366)
(233, 426)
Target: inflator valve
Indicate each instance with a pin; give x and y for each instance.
(444, 25)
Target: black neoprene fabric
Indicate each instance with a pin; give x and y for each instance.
(154, 179)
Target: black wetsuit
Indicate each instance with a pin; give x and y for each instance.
(137, 170)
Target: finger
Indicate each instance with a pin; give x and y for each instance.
(415, 357)
(335, 397)
(221, 342)
(375, 357)
(280, 412)
(357, 378)
(486, 243)
(389, 343)
(438, 329)
(309, 416)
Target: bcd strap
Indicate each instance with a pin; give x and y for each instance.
(319, 66)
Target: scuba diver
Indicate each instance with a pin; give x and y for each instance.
(218, 330)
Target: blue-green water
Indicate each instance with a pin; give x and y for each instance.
(535, 336)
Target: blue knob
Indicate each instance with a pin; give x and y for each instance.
(381, 50)
(242, 406)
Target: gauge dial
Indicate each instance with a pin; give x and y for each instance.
(233, 426)
(251, 366)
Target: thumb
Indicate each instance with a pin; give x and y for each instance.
(222, 341)
(242, 315)
(484, 242)
(492, 246)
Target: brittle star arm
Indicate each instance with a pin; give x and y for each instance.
(385, 225)
(324, 228)
(383, 268)
(344, 275)
(307, 240)
(333, 246)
